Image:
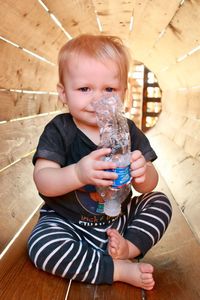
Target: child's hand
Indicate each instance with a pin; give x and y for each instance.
(138, 167)
(92, 170)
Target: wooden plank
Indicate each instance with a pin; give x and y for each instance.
(30, 26)
(20, 137)
(150, 18)
(20, 280)
(183, 102)
(17, 105)
(19, 198)
(35, 284)
(181, 172)
(117, 291)
(187, 70)
(20, 70)
(82, 291)
(176, 259)
(183, 122)
(177, 101)
(8, 260)
(76, 16)
(150, 114)
(183, 74)
(180, 35)
(149, 99)
(117, 13)
(174, 124)
(183, 130)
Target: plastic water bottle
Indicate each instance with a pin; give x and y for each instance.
(114, 134)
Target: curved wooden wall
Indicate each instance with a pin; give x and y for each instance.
(174, 57)
(28, 100)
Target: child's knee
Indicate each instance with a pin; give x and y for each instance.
(161, 201)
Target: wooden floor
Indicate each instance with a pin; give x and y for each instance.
(176, 260)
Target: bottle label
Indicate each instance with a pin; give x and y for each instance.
(124, 176)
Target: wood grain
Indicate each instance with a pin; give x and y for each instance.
(18, 199)
(119, 13)
(30, 26)
(20, 137)
(19, 280)
(17, 105)
(180, 35)
(80, 17)
(20, 70)
(150, 18)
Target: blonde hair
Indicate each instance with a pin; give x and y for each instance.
(100, 47)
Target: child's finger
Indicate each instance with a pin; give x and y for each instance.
(97, 154)
(136, 155)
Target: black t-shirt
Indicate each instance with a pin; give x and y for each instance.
(64, 143)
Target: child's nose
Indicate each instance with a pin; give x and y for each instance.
(98, 94)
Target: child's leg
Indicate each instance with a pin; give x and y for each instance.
(148, 219)
(60, 248)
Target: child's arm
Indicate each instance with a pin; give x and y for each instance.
(52, 180)
(145, 176)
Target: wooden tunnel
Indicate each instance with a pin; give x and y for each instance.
(162, 35)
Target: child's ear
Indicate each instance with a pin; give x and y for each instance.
(61, 93)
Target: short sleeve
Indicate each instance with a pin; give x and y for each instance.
(55, 139)
(140, 142)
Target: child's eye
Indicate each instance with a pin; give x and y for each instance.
(109, 90)
(84, 89)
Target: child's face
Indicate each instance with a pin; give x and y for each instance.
(85, 80)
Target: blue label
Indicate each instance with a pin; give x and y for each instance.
(123, 178)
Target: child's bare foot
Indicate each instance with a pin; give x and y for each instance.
(136, 274)
(119, 247)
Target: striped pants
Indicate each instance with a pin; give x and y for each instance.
(79, 252)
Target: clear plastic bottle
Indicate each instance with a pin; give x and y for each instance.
(114, 134)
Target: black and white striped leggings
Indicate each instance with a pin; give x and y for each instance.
(78, 252)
